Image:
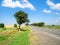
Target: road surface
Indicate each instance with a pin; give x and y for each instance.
(47, 36)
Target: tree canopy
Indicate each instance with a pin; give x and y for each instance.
(21, 17)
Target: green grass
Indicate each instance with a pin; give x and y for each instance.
(2, 38)
(1, 29)
(50, 26)
(22, 38)
(14, 37)
(5, 34)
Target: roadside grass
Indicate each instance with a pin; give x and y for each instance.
(50, 26)
(5, 35)
(22, 38)
(11, 36)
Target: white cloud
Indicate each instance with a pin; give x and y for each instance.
(46, 11)
(53, 6)
(18, 3)
(28, 5)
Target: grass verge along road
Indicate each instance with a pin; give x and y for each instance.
(15, 37)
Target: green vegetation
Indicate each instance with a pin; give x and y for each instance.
(1, 25)
(22, 38)
(5, 34)
(14, 37)
(15, 25)
(3, 29)
(3, 38)
(40, 24)
(11, 36)
(52, 26)
(21, 17)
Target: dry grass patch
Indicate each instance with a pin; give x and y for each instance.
(7, 32)
(33, 39)
(6, 36)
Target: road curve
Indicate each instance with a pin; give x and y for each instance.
(47, 36)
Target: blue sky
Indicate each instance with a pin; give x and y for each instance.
(47, 11)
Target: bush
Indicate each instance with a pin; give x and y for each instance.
(15, 25)
(53, 25)
(1, 25)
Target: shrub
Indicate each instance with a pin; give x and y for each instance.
(15, 25)
(1, 25)
(53, 25)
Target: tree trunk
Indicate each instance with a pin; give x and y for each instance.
(19, 27)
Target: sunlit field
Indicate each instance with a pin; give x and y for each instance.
(11, 36)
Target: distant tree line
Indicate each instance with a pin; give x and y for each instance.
(38, 24)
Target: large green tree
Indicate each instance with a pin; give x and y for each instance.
(21, 17)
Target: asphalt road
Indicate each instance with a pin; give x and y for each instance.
(47, 36)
